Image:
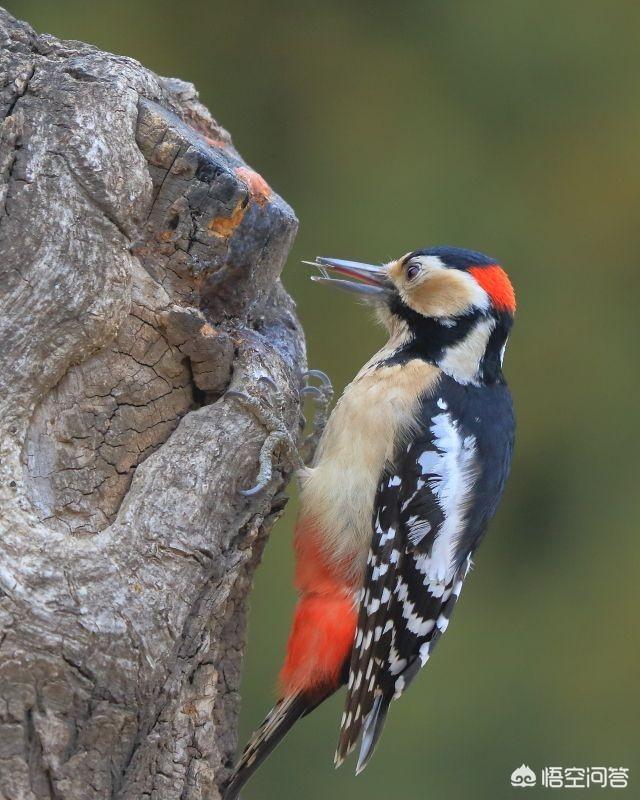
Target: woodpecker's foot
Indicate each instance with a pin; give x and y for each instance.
(279, 442)
(322, 394)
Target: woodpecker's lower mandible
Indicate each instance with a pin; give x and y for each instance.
(407, 474)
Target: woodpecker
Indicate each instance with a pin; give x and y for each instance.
(408, 472)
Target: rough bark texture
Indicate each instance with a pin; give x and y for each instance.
(140, 259)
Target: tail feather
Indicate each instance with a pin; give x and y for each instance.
(372, 729)
(274, 728)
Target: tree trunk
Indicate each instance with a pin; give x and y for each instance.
(140, 259)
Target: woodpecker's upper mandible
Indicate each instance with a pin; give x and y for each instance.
(409, 471)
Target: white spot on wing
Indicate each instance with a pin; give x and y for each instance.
(402, 590)
(417, 529)
(429, 461)
(415, 623)
(388, 535)
(396, 664)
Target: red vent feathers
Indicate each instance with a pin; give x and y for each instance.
(324, 623)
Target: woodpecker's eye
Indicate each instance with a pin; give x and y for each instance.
(412, 271)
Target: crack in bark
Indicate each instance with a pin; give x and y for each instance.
(22, 86)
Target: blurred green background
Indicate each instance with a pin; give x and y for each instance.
(513, 128)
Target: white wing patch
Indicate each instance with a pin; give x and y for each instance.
(452, 473)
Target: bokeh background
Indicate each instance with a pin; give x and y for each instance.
(513, 128)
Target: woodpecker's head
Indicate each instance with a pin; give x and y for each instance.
(451, 306)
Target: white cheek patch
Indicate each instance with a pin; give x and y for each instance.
(479, 298)
(462, 360)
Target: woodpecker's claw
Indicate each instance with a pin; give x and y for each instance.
(322, 376)
(312, 391)
(269, 381)
(322, 395)
(237, 395)
(279, 440)
(279, 437)
(271, 444)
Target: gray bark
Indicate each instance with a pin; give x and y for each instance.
(140, 263)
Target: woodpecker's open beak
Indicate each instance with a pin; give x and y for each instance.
(373, 282)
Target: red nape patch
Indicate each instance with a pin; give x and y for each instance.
(495, 281)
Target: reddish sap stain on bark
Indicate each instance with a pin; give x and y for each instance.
(258, 187)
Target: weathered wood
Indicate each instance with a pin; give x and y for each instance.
(140, 262)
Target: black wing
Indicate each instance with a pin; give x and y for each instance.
(431, 509)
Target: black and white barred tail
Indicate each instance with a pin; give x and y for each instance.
(271, 732)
